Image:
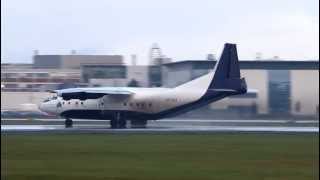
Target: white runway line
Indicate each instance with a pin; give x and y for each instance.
(243, 121)
(183, 120)
(17, 128)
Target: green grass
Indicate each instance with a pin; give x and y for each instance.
(152, 157)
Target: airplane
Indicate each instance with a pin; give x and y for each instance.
(119, 104)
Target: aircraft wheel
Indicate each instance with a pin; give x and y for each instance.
(138, 123)
(122, 123)
(113, 123)
(118, 122)
(68, 123)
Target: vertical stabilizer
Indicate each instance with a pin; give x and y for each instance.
(227, 71)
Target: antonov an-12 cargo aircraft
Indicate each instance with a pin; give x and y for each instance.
(119, 104)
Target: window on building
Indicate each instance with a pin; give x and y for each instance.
(297, 106)
(29, 86)
(11, 85)
(279, 90)
(29, 75)
(104, 72)
(155, 76)
(43, 75)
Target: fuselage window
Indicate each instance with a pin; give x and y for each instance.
(69, 102)
(125, 104)
(137, 104)
(102, 104)
(131, 104)
(81, 102)
(63, 102)
(150, 104)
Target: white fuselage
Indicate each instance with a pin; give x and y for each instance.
(143, 100)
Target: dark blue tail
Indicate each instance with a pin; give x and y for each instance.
(227, 72)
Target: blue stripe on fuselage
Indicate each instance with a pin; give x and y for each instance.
(207, 98)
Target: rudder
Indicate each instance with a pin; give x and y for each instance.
(227, 72)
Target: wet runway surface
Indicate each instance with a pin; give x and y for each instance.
(166, 126)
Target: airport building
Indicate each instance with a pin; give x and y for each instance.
(115, 75)
(74, 61)
(28, 79)
(280, 88)
(49, 72)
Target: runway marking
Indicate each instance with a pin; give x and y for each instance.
(93, 129)
(178, 120)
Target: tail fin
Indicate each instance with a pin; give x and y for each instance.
(226, 75)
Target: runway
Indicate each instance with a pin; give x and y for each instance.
(161, 126)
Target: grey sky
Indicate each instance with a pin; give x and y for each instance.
(183, 29)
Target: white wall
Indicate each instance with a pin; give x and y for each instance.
(305, 89)
(256, 79)
(139, 73)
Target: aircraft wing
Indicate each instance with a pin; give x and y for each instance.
(90, 93)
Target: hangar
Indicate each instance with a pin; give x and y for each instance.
(283, 87)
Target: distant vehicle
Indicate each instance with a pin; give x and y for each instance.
(142, 104)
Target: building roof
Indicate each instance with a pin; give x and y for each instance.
(261, 64)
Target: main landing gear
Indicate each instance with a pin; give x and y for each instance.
(118, 122)
(68, 123)
(138, 123)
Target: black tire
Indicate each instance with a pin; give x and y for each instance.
(113, 123)
(138, 123)
(68, 123)
(118, 121)
(122, 123)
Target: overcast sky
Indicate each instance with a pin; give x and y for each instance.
(184, 29)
